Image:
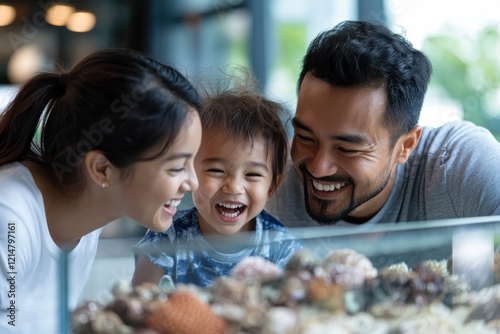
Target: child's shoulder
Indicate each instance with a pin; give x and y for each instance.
(186, 216)
(270, 222)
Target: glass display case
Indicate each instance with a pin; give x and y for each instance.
(418, 277)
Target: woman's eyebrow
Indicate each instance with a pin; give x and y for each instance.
(178, 156)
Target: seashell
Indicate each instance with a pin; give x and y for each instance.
(109, 323)
(302, 260)
(130, 310)
(91, 318)
(293, 291)
(84, 315)
(121, 288)
(230, 312)
(227, 290)
(280, 320)
(167, 283)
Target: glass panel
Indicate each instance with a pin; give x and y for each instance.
(417, 277)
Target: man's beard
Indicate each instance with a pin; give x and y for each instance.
(319, 212)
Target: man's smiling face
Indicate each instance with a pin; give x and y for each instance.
(342, 150)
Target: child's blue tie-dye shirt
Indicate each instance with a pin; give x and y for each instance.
(187, 257)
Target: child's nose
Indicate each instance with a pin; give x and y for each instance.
(233, 186)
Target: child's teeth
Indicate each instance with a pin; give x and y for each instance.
(231, 206)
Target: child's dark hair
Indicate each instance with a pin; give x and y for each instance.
(120, 102)
(239, 111)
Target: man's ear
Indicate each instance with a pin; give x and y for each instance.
(272, 190)
(99, 169)
(407, 143)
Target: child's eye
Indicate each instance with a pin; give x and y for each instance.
(215, 170)
(254, 175)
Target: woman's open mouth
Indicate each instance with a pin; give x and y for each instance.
(170, 206)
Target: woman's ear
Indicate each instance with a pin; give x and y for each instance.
(99, 169)
(407, 144)
(272, 190)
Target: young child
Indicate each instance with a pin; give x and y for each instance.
(239, 166)
(119, 133)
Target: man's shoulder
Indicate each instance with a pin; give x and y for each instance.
(456, 133)
(457, 143)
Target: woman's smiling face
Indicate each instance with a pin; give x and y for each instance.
(157, 186)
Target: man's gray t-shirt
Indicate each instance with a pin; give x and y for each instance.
(453, 172)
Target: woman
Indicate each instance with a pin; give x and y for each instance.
(115, 136)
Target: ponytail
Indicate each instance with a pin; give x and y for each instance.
(19, 122)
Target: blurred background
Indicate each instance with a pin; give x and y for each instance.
(202, 38)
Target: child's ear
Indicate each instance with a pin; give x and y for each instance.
(272, 190)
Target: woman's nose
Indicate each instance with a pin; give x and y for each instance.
(191, 182)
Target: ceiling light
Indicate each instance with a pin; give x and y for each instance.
(58, 15)
(25, 62)
(81, 22)
(7, 15)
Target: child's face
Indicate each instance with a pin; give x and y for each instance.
(234, 183)
(156, 187)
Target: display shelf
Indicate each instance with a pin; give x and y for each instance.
(442, 273)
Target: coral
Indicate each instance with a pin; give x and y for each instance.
(184, 313)
(256, 268)
(326, 295)
(342, 293)
(348, 267)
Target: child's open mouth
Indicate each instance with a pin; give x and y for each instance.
(230, 210)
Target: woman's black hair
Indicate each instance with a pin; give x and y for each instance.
(120, 102)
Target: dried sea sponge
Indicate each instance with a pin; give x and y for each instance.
(184, 313)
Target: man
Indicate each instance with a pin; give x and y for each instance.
(359, 155)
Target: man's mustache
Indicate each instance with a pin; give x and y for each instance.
(330, 178)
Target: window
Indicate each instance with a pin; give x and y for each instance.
(462, 41)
